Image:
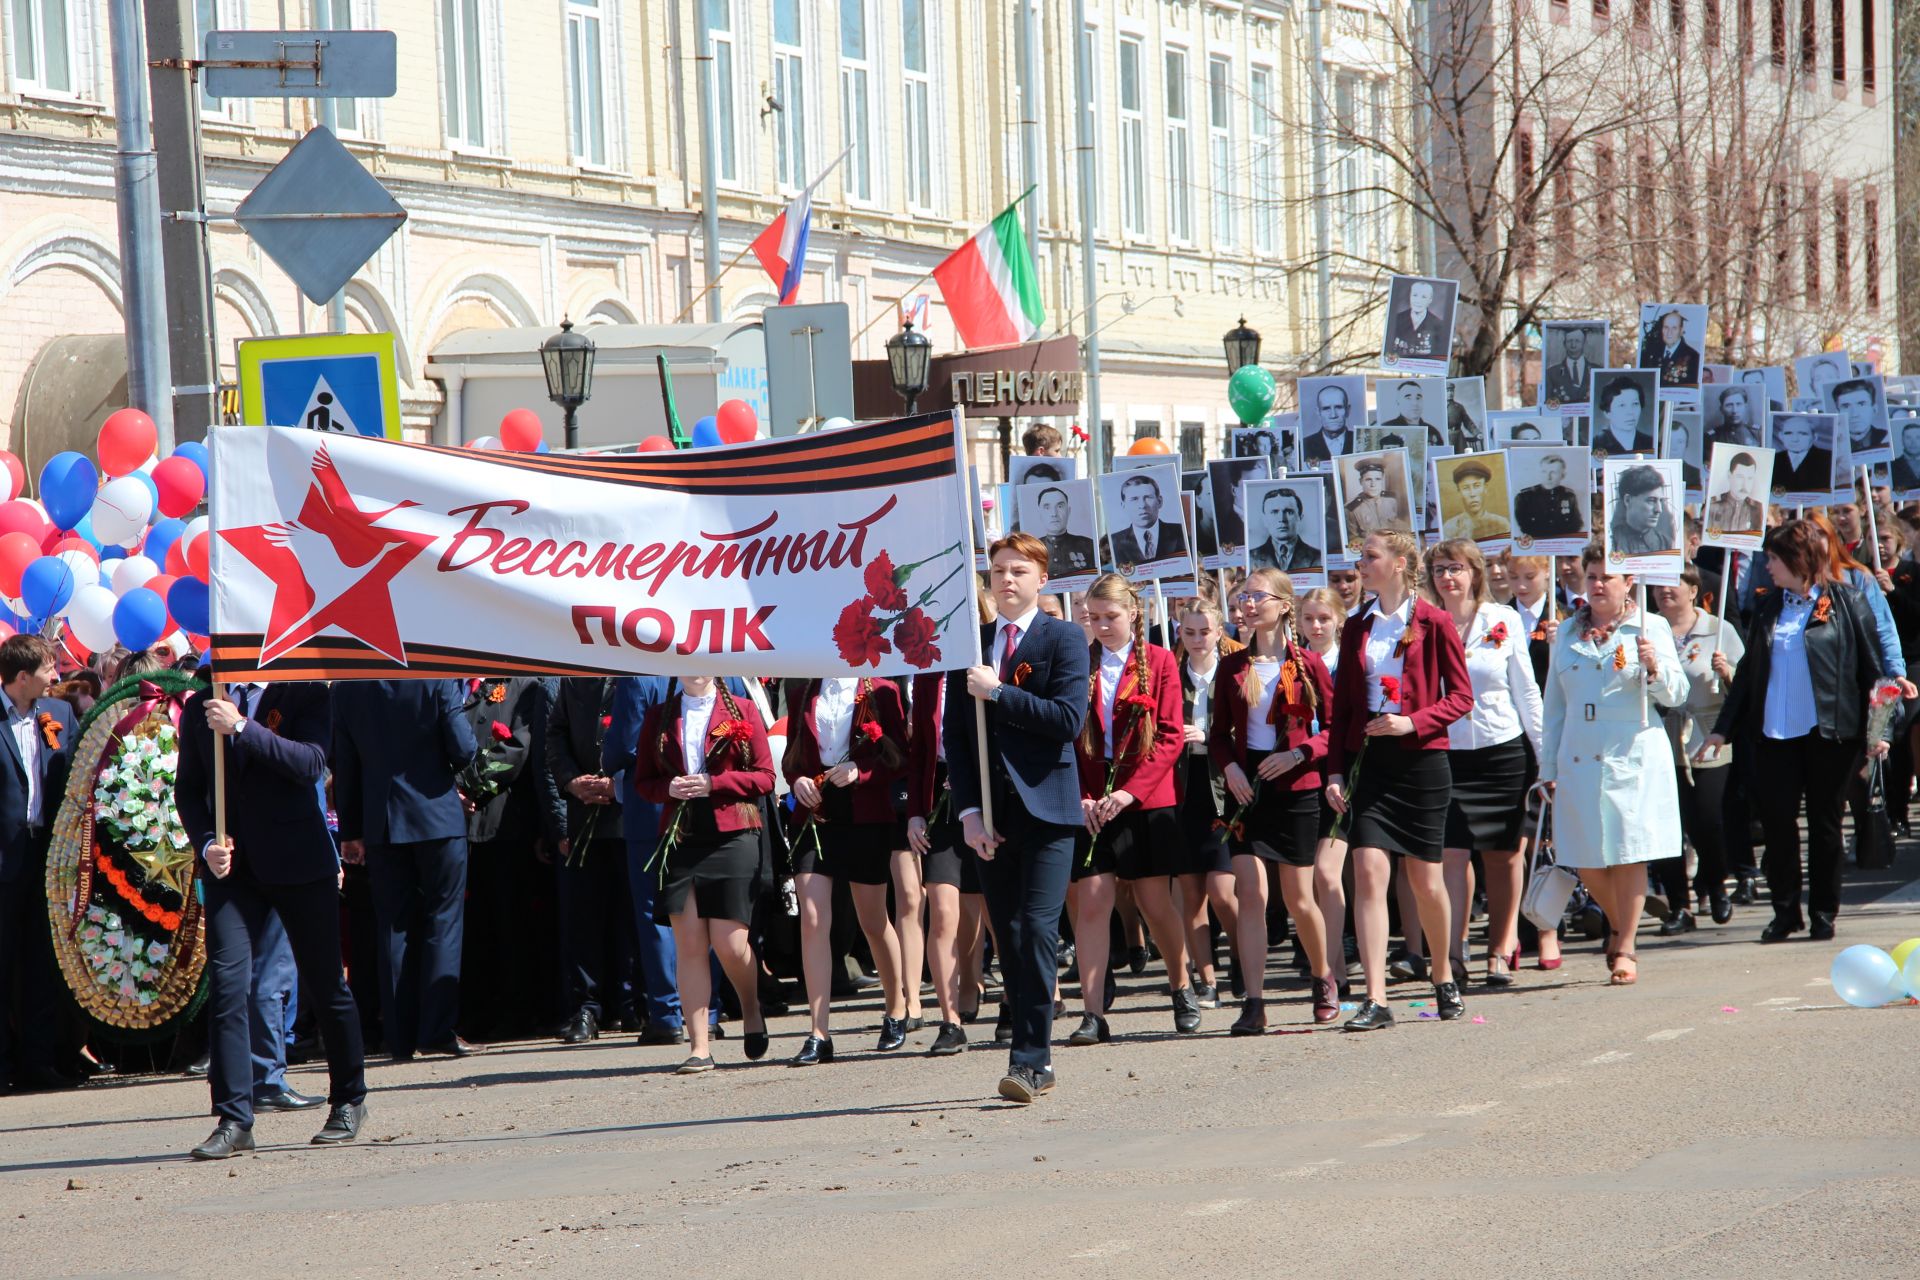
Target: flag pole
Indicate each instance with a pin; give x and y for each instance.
(929, 275)
(712, 284)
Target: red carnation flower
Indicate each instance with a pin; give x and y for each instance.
(732, 731)
(858, 636)
(606, 722)
(873, 731)
(1390, 689)
(915, 635)
(500, 732)
(879, 579)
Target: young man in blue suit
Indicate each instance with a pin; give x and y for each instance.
(1034, 685)
(278, 858)
(32, 777)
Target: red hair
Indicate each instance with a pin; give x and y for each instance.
(1805, 547)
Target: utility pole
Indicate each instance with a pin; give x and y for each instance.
(1322, 215)
(1030, 125)
(330, 117)
(137, 203)
(709, 165)
(1083, 109)
(192, 351)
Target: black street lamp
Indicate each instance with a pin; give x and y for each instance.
(1243, 347)
(568, 357)
(908, 354)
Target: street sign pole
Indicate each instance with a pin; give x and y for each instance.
(137, 202)
(192, 339)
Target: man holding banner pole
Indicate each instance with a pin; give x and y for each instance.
(1032, 690)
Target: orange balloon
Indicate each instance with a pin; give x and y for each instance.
(1149, 444)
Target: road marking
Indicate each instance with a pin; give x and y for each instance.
(1395, 1140)
(1215, 1208)
(1469, 1109)
(1307, 1170)
(1671, 1033)
(1782, 1000)
(1106, 1250)
(1611, 1055)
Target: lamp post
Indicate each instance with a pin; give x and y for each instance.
(568, 357)
(1243, 347)
(908, 353)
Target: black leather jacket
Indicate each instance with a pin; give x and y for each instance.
(1843, 657)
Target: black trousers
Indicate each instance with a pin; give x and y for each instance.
(597, 943)
(238, 912)
(419, 899)
(1025, 885)
(1817, 769)
(26, 961)
(1702, 821)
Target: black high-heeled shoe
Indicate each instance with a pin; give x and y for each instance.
(1092, 1030)
(814, 1050)
(756, 1043)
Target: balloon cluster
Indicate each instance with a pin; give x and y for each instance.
(519, 433)
(107, 548)
(732, 423)
(1867, 977)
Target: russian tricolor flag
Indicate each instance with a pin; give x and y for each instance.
(782, 247)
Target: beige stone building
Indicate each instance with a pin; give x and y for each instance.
(548, 155)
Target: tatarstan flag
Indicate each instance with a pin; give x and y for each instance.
(991, 288)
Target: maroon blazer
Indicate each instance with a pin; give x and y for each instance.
(1148, 780)
(737, 788)
(1227, 733)
(923, 746)
(1434, 688)
(873, 788)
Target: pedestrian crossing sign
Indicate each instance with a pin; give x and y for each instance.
(337, 383)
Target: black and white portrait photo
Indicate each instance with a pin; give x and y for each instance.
(1815, 376)
(1419, 337)
(1373, 493)
(1525, 426)
(1684, 444)
(1225, 479)
(1735, 414)
(1551, 503)
(1736, 516)
(1570, 351)
(1672, 335)
(1466, 414)
(1861, 405)
(1286, 518)
(1061, 516)
(1769, 382)
(1022, 469)
(1197, 493)
(1331, 409)
(1803, 458)
(1140, 511)
(1624, 412)
(1644, 530)
(1414, 406)
(1256, 442)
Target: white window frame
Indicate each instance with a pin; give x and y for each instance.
(1089, 102)
(583, 17)
(353, 117)
(1176, 94)
(792, 143)
(33, 83)
(487, 134)
(1220, 149)
(919, 109)
(727, 46)
(1135, 219)
(1264, 154)
(860, 171)
(223, 15)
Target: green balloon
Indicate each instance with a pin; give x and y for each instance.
(1251, 391)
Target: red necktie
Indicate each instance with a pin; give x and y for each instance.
(1012, 642)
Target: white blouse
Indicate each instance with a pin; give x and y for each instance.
(1262, 736)
(696, 715)
(1202, 715)
(833, 718)
(1506, 701)
(1383, 651)
(1113, 669)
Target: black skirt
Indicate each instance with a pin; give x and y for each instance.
(721, 872)
(1282, 825)
(1203, 840)
(1488, 810)
(1399, 801)
(1139, 844)
(837, 846)
(950, 861)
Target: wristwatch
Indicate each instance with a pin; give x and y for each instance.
(995, 695)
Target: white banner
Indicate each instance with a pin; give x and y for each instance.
(846, 553)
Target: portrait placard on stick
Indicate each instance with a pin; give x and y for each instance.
(1419, 337)
(1061, 515)
(1803, 464)
(1140, 511)
(1552, 502)
(1644, 532)
(1231, 516)
(1286, 516)
(1471, 493)
(1570, 350)
(1736, 514)
(1372, 492)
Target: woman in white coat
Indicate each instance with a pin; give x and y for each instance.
(1612, 762)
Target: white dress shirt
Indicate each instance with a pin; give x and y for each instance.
(1383, 650)
(1506, 701)
(696, 715)
(251, 691)
(833, 718)
(1113, 669)
(1529, 617)
(1201, 717)
(1025, 625)
(26, 735)
(1262, 736)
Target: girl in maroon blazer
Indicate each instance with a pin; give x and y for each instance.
(1268, 699)
(955, 906)
(1127, 753)
(846, 747)
(703, 758)
(1403, 680)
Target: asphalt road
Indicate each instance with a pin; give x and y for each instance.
(1726, 1117)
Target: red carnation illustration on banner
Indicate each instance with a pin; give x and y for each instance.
(861, 632)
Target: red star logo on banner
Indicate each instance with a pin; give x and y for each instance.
(331, 567)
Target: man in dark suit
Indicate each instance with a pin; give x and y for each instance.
(1906, 466)
(397, 746)
(33, 775)
(596, 919)
(1549, 509)
(1418, 331)
(1284, 547)
(1333, 423)
(1665, 347)
(1033, 684)
(1071, 553)
(1566, 382)
(276, 858)
(1146, 537)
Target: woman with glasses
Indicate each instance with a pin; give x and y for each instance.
(1265, 742)
(1487, 753)
(1402, 682)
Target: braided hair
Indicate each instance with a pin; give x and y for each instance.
(1115, 589)
(1293, 650)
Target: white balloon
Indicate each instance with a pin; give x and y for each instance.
(195, 527)
(834, 424)
(90, 614)
(151, 463)
(132, 572)
(484, 443)
(85, 569)
(121, 510)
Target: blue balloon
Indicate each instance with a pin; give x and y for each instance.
(112, 553)
(140, 618)
(196, 451)
(47, 585)
(85, 530)
(160, 540)
(68, 484)
(1865, 977)
(543, 448)
(191, 605)
(706, 432)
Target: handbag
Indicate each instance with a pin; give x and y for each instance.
(1549, 885)
(1873, 837)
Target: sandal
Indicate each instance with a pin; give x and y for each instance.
(1625, 977)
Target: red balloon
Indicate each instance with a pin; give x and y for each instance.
(23, 517)
(176, 564)
(161, 583)
(17, 551)
(197, 552)
(74, 542)
(181, 485)
(736, 422)
(656, 444)
(6, 631)
(16, 472)
(126, 440)
(520, 431)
